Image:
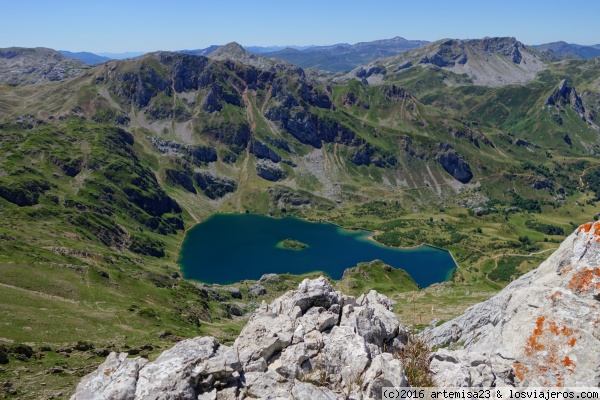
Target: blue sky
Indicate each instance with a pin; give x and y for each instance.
(118, 26)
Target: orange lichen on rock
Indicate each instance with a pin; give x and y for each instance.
(590, 227)
(583, 280)
(555, 295)
(520, 371)
(568, 268)
(547, 351)
(569, 364)
(533, 342)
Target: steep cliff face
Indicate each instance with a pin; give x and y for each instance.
(546, 324)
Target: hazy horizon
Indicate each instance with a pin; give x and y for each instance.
(145, 26)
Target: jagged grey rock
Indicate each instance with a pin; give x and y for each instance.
(544, 326)
(311, 343)
(257, 290)
(460, 368)
(173, 373)
(115, 379)
(385, 371)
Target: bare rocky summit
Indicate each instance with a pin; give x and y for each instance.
(486, 62)
(315, 343)
(20, 66)
(235, 52)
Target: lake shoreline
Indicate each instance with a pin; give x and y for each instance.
(228, 248)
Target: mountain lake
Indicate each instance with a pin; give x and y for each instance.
(228, 248)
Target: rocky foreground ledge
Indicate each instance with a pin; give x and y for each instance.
(316, 343)
(545, 326)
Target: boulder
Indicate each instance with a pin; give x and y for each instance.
(544, 325)
(257, 290)
(461, 368)
(235, 292)
(385, 371)
(174, 374)
(115, 379)
(268, 277)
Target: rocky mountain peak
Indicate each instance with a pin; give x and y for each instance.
(235, 52)
(565, 95)
(20, 66)
(231, 49)
(489, 61)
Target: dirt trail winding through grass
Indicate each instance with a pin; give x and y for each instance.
(497, 256)
(44, 295)
(581, 183)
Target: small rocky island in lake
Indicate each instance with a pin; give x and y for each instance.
(292, 244)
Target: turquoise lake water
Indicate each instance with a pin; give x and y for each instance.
(228, 248)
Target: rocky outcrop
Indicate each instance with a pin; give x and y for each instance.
(236, 136)
(214, 186)
(453, 163)
(311, 343)
(312, 129)
(543, 329)
(564, 95)
(195, 153)
(180, 178)
(270, 171)
(406, 65)
(543, 183)
(367, 73)
(23, 193)
(368, 154)
(261, 150)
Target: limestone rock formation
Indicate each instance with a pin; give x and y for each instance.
(453, 163)
(269, 170)
(564, 95)
(311, 343)
(214, 186)
(545, 326)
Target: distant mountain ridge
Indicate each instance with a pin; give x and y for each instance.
(86, 57)
(200, 52)
(122, 56)
(487, 62)
(342, 57)
(565, 50)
